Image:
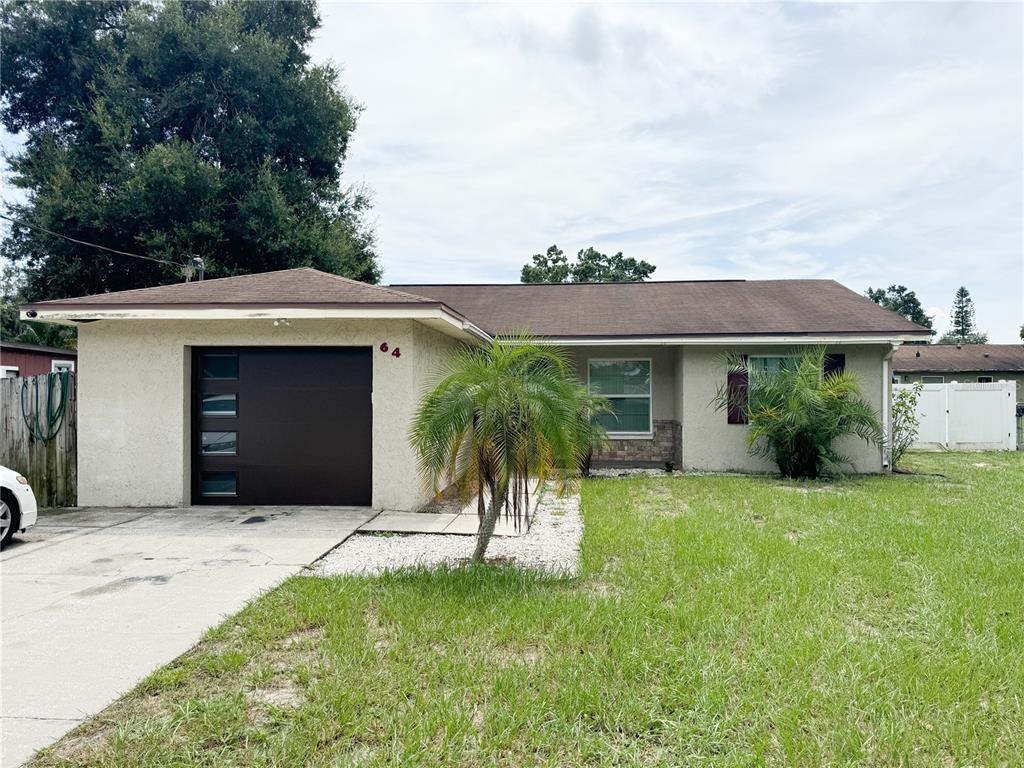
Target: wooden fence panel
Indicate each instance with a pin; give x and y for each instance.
(51, 467)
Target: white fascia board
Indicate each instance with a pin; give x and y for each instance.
(773, 341)
(74, 316)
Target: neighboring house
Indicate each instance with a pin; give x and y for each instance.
(298, 387)
(966, 364)
(17, 359)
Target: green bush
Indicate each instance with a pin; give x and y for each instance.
(797, 413)
(904, 422)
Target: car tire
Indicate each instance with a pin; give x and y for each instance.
(10, 519)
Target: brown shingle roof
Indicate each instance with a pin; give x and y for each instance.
(581, 310)
(18, 346)
(948, 358)
(725, 307)
(286, 287)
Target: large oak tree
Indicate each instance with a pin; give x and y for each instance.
(176, 129)
(902, 301)
(591, 266)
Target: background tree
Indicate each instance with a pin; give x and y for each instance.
(963, 330)
(591, 266)
(12, 329)
(902, 301)
(549, 267)
(176, 129)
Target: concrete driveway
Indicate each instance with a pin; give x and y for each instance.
(93, 600)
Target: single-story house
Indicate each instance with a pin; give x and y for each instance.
(17, 359)
(963, 363)
(298, 387)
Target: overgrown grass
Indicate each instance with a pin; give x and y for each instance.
(720, 621)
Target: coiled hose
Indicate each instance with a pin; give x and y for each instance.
(44, 419)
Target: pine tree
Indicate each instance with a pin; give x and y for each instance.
(963, 313)
(963, 330)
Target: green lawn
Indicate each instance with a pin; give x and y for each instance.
(719, 621)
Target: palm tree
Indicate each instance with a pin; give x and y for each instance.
(590, 433)
(796, 413)
(501, 415)
(45, 335)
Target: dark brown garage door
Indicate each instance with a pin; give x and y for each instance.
(281, 425)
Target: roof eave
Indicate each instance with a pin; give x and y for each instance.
(73, 314)
(753, 339)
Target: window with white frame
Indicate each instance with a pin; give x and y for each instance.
(627, 386)
(933, 379)
(56, 366)
(8, 371)
(770, 363)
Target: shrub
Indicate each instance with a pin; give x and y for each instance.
(904, 422)
(797, 413)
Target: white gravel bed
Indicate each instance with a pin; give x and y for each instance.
(551, 545)
(655, 472)
(630, 471)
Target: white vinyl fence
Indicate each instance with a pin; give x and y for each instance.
(966, 417)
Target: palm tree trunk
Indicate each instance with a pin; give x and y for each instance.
(490, 519)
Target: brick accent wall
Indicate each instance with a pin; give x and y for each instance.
(666, 445)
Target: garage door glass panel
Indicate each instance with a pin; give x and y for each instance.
(220, 405)
(219, 443)
(219, 366)
(219, 483)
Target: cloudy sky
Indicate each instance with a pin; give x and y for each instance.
(874, 144)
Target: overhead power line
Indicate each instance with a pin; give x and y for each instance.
(94, 245)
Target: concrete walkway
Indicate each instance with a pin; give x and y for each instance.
(463, 520)
(434, 522)
(93, 600)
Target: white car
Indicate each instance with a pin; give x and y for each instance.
(17, 504)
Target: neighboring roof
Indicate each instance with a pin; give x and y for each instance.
(286, 287)
(949, 358)
(17, 345)
(694, 308)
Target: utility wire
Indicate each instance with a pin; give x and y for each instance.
(93, 245)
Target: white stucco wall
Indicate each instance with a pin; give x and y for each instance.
(432, 349)
(686, 378)
(134, 387)
(710, 443)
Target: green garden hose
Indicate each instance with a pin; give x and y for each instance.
(44, 420)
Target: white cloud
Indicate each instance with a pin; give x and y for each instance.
(875, 144)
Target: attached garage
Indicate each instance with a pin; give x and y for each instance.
(279, 388)
(282, 425)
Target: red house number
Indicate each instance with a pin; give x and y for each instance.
(396, 352)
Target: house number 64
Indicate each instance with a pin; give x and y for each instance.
(396, 352)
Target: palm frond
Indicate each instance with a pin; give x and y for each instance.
(796, 414)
